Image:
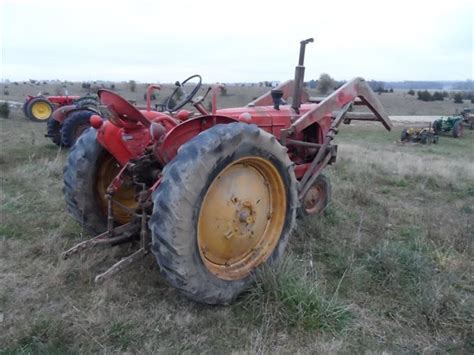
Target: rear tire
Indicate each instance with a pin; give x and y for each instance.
(74, 125)
(85, 185)
(54, 131)
(39, 109)
(86, 102)
(404, 135)
(458, 130)
(179, 204)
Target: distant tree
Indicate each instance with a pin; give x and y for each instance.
(411, 92)
(312, 84)
(458, 98)
(378, 86)
(85, 85)
(112, 86)
(445, 94)
(391, 90)
(152, 97)
(132, 85)
(424, 95)
(6, 92)
(325, 83)
(437, 96)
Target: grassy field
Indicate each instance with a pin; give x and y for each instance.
(388, 268)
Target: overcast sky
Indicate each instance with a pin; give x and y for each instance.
(236, 41)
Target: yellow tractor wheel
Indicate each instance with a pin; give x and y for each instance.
(226, 205)
(39, 109)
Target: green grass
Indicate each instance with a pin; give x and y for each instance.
(387, 268)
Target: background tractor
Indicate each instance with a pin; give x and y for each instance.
(40, 108)
(68, 122)
(214, 195)
(453, 124)
(419, 135)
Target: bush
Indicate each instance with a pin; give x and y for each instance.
(86, 85)
(424, 96)
(438, 96)
(132, 85)
(458, 98)
(6, 92)
(152, 97)
(411, 92)
(112, 86)
(4, 110)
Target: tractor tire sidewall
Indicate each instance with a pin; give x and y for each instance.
(86, 102)
(178, 199)
(29, 107)
(25, 109)
(404, 135)
(424, 138)
(54, 131)
(71, 123)
(80, 174)
(457, 130)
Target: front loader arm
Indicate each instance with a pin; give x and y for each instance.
(339, 101)
(349, 92)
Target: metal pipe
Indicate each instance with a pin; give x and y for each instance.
(299, 76)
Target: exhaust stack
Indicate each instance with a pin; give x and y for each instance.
(299, 76)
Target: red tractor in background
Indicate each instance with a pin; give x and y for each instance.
(68, 122)
(39, 108)
(213, 195)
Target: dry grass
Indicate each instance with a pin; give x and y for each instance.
(388, 268)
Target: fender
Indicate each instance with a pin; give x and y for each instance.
(186, 131)
(61, 113)
(124, 144)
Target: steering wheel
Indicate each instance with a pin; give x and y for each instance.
(187, 97)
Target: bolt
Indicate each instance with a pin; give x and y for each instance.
(244, 216)
(228, 234)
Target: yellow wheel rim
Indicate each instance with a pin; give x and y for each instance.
(125, 195)
(41, 110)
(241, 218)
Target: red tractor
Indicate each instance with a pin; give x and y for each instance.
(213, 195)
(68, 122)
(40, 108)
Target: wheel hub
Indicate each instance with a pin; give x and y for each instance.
(41, 110)
(313, 201)
(241, 217)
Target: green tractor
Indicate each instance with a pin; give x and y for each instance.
(450, 124)
(468, 117)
